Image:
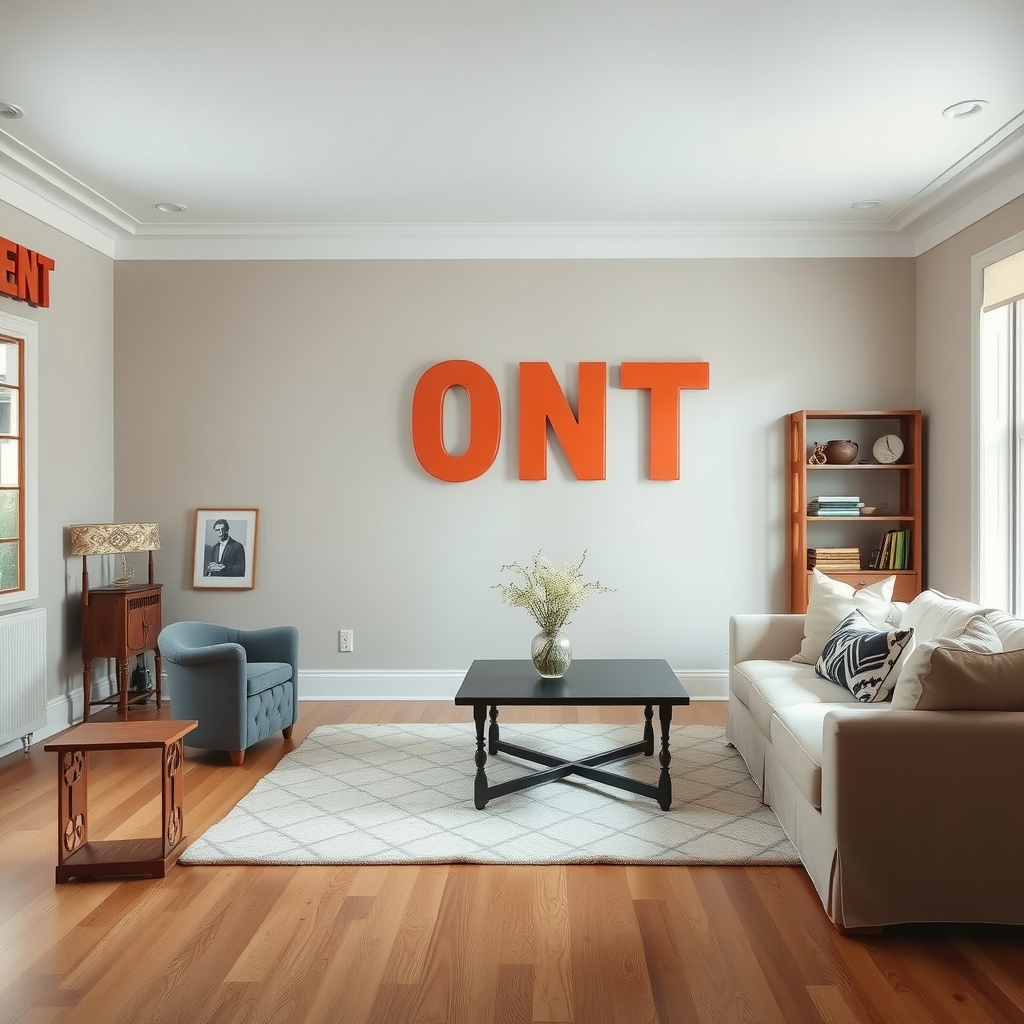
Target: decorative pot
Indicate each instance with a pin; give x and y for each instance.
(552, 654)
(841, 453)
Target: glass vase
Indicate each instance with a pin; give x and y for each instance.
(552, 654)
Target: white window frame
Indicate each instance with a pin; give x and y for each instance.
(1001, 251)
(27, 332)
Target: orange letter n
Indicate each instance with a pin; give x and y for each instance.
(428, 420)
(664, 381)
(542, 401)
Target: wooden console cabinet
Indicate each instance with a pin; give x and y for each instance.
(121, 622)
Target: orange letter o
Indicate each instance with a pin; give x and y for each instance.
(428, 420)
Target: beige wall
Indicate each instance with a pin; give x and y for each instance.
(76, 422)
(287, 386)
(944, 322)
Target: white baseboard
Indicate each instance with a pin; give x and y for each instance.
(371, 684)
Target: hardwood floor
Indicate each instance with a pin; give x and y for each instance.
(442, 943)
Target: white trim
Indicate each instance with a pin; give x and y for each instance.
(433, 684)
(56, 216)
(979, 262)
(28, 332)
(970, 213)
(514, 242)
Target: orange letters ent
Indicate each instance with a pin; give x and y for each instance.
(428, 420)
(542, 401)
(664, 381)
(24, 274)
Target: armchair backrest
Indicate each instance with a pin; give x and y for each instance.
(187, 636)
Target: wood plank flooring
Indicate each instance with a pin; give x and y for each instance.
(444, 944)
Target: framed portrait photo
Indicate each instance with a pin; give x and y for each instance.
(225, 551)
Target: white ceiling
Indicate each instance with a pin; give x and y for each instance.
(577, 119)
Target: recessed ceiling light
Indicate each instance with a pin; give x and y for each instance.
(171, 207)
(866, 204)
(11, 112)
(965, 108)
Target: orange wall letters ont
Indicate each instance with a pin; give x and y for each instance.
(542, 402)
(24, 274)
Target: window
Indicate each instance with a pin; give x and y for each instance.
(1000, 404)
(18, 483)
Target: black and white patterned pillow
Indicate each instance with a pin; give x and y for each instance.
(863, 658)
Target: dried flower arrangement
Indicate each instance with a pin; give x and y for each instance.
(550, 595)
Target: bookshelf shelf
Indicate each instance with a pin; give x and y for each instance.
(897, 485)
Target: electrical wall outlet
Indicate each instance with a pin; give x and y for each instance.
(345, 640)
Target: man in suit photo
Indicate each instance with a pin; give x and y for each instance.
(227, 556)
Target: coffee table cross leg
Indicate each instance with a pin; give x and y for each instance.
(553, 761)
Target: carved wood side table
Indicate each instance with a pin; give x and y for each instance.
(77, 857)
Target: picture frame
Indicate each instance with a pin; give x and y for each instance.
(232, 567)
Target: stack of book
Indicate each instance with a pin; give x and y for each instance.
(835, 506)
(834, 559)
(894, 551)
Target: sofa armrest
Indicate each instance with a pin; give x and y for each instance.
(926, 812)
(764, 637)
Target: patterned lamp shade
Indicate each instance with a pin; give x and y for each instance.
(114, 538)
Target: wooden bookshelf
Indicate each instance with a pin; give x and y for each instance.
(897, 485)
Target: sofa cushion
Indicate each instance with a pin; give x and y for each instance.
(864, 659)
(797, 738)
(262, 675)
(964, 673)
(829, 601)
(1009, 628)
(747, 673)
(769, 694)
(932, 614)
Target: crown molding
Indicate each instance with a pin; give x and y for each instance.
(56, 216)
(985, 179)
(511, 242)
(51, 194)
(990, 162)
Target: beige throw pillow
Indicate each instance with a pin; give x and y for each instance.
(963, 672)
(829, 602)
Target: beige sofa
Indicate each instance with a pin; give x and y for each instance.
(898, 815)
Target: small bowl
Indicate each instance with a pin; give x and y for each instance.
(867, 510)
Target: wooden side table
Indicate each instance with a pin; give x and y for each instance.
(76, 855)
(120, 622)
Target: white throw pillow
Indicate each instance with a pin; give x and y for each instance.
(829, 602)
(932, 614)
(1009, 629)
(915, 678)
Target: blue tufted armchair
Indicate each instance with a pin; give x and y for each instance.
(239, 685)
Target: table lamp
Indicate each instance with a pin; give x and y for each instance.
(114, 539)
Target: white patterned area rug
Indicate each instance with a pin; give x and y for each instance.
(403, 794)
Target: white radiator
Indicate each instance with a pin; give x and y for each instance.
(22, 674)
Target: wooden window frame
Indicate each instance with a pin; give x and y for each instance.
(24, 333)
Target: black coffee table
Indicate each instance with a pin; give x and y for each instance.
(596, 682)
